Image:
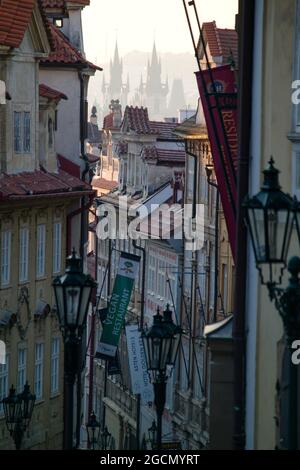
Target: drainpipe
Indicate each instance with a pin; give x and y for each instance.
(138, 405)
(246, 38)
(70, 216)
(92, 333)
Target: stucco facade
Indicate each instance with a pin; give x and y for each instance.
(274, 48)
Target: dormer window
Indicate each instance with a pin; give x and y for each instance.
(58, 22)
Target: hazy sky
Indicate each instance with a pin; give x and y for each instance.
(136, 22)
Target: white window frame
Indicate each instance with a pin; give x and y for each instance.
(39, 370)
(57, 244)
(23, 254)
(55, 350)
(22, 369)
(4, 371)
(5, 257)
(41, 250)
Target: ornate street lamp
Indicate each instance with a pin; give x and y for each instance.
(176, 332)
(152, 433)
(18, 411)
(161, 347)
(72, 294)
(93, 430)
(270, 217)
(106, 439)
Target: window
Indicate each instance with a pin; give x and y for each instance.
(5, 257)
(26, 137)
(41, 250)
(22, 132)
(39, 370)
(57, 247)
(54, 366)
(17, 132)
(23, 262)
(58, 22)
(21, 370)
(3, 383)
(50, 133)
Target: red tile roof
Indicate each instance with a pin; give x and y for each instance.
(40, 183)
(51, 94)
(64, 52)
(164, 130)
(137, 120)
(222, 42)
(108, 122)
(102, 183)
(61, 3)
(14, 18)
(163, 156)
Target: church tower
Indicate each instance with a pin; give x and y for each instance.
(116, 89)
(155, 91)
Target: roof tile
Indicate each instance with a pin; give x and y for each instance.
(15, 16)
(50, 93)
(64, 52)
(222, 42)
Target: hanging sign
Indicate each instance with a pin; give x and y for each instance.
(140, 382)
(219, 103)
(113, 324)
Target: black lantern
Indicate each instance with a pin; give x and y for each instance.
(12, 410)
(73, 293)
(106, 439)
(18, 411)
(157, 344)
(27, 400)
(176, 332)
(93, 430)
(270, 218)
(152, 433)
(161, 346)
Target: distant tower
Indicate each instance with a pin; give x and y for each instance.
(115, 89)
(155, 91)
(177, 98)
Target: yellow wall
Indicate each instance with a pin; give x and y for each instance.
(46, 428)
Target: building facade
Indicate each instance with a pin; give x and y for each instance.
(37, 196)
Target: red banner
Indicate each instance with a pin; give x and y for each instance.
(220, 111)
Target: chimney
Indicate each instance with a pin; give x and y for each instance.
(93, 118)
(116, 109)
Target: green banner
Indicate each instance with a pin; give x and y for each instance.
(113, 324)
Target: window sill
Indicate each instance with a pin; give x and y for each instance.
(41, 278)
(55, 395)
(39, 401)
(24, 283)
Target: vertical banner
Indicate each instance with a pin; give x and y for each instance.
(221, 120)
(112, 325)
(140, 381)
